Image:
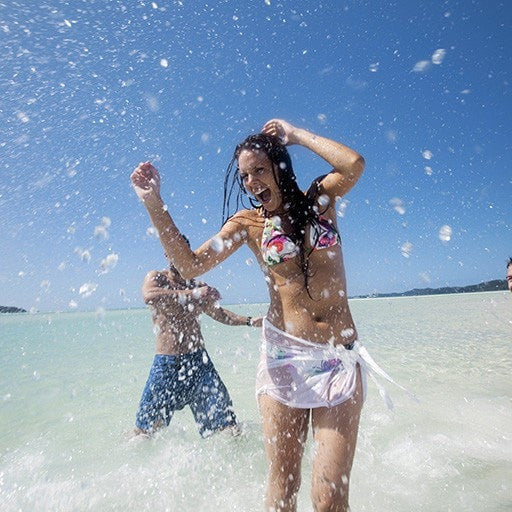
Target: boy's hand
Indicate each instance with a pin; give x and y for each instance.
(208, 295)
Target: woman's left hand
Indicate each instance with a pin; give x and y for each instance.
(281, 129)
(257, 321)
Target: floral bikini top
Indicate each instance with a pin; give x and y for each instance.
(277, 247)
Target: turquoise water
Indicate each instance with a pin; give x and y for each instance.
(70, 385)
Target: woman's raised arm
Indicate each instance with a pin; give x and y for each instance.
(347, 164)
(146, 183)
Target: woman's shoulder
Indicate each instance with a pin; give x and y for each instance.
(246, 217)
(246, 224)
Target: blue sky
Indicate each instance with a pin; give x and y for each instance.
(91, 88)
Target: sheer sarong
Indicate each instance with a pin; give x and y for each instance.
(305, 375)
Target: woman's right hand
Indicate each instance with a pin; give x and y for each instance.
(146, 181)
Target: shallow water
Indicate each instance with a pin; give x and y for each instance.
(70, 385)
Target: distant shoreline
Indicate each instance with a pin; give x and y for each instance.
(487, 286)
(11, 309)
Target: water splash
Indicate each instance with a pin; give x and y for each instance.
(87, 289)
(445, 233)
(398, 205)
(406, 249)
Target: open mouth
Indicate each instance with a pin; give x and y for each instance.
(264, 196)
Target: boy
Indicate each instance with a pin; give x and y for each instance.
(182, 372)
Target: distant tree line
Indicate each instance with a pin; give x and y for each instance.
(11, 309)
(487, 286)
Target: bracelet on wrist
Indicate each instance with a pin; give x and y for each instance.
(248, 321)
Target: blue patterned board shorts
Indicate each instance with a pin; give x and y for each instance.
(188, 379)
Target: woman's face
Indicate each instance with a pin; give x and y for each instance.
(257, 175)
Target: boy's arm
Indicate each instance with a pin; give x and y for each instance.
(227, 317)
(153, 287)
(157, 287)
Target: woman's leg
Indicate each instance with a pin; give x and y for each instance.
(335, 434)
(285, 430)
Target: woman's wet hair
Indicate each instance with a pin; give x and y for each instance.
(300, 206)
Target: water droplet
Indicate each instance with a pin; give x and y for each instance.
(342, 206)
(347, 333)
(324, 200)
(406, 249)
(421, 66)
(23, 117)
(391, 136)
(87, 289)
(109, 262)
(438, 56)
(101, 232)
(398, 205)
(424, 277)
(83, 254)
(445, 233)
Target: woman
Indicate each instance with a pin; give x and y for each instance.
(309, 366)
